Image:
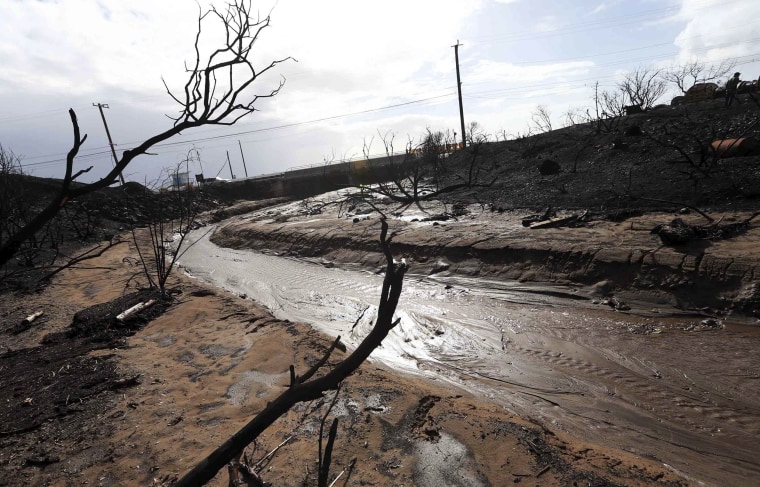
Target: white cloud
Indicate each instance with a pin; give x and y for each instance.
(368, 56)
(718, 30)
(501, 72)
(602, 7)
(84, 48)
(547, 23)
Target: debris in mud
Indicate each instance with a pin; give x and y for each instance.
(421, 417)
(549, 219)
(678, 232)
(531, 219)
(26, 323)
(615, 304)
(706, 325)
(645, 329)
(563, 221)
(100, 321)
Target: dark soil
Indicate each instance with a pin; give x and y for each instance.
(665, 164)
(53, 392)
(83, 223)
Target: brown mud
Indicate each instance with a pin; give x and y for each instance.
(152, 405)
(635, 344)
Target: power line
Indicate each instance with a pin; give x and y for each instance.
(265, 129)
(484, 94)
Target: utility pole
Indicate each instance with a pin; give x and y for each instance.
(241, 155)
(230, 165)
(459, 89)
(101, 106)
(200, 163)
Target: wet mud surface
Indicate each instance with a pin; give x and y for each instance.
(147, 407)
(657, 381)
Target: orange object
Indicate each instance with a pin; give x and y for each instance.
(744, 146)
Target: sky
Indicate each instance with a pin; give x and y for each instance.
(361, 71)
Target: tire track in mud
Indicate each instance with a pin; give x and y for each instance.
(700, 420)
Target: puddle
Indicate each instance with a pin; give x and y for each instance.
(444, 462)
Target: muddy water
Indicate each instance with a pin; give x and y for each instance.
(643, 383)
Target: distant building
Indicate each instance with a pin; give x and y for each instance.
(180, 179)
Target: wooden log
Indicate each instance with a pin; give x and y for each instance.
(30, 319)
(135, 309)
(554, 222)
(26, 323)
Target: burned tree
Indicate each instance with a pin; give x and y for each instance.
(434, 166)
(218, 91)
(310, 385)
(643, 87)
(687, 75)
(541, 118)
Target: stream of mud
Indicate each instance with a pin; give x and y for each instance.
(656, 385)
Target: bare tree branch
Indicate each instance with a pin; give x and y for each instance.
(687, 75)
(314, 388)
(541, 118)
(203, 103)
(14, 242)
(643, 86)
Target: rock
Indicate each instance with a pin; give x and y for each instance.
(615, 303)
(705, 325)
(549, 167)
(634, 131)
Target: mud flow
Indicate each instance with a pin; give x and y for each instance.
(678, 389)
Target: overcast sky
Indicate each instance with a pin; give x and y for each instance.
(362, 68)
